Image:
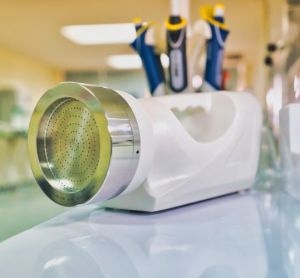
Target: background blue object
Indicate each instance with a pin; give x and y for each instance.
(215, 53)
(150, 59)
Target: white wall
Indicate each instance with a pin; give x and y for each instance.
(27, 76)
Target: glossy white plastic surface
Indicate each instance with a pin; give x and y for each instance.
(238, 236)
(197, 146)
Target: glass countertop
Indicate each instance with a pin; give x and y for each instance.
(241, 235)
(23, 206)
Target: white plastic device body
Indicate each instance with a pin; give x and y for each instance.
(193, 147)
(89, 144)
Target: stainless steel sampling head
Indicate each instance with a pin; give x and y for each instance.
(83, 143)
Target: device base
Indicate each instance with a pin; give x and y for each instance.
(145, 199)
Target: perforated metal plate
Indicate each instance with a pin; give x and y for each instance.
(71, 144)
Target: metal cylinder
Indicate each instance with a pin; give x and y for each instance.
(83, 143)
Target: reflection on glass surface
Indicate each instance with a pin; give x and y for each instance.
(268, 174)
(219, 238)
(250, 235)
(290, 217)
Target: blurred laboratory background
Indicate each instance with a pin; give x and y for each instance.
(39, 47)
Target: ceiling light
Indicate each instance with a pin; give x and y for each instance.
(130, 61)
(100, 33)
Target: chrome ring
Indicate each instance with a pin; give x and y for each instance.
(83, 142)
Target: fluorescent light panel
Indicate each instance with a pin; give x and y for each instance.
(100, 33)
(124, 62)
